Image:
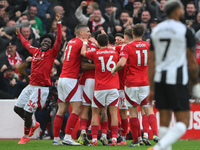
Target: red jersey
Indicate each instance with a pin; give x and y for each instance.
(72, 59)
(90, 73)
(122, 71)
(42, 61)
(136, 54)
(104, 59)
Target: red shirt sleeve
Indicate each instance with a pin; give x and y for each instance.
(56, 45)
(26, 44)
(124, 51)
(90, 54)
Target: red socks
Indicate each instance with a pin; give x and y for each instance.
(139, 131)
(134, 127)
(88, 124)
(114, 131)
(124, 126)
(153, 123)
(57, 125)
(71, 122)
(104, 127)
(94, 131)
(145, 123)
(83, 124)
(26, 130)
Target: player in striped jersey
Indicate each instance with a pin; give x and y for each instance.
(171, 59)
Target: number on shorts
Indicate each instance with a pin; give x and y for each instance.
(108, 63)
(139, 57)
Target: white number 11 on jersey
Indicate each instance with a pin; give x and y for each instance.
(139, 57)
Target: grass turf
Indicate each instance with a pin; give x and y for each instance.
(47, 145)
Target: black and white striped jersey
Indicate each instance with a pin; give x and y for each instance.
(169, 40)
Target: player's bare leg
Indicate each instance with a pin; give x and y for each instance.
(134, 125)
(28, 123)
(62, 109)
(152, 122)
(168, 135)
(165, 117)
(94, 125)
(83, 124)
(114, 123)
(124, 125)
(104, 125)
(73, 118)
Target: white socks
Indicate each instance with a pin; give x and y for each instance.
(170, 136)
(33, 123)
(67, 136)
(104, 135)
(56, 139)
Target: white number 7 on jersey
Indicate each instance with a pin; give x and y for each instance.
(108, 63)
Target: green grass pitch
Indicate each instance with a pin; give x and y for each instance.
(47, 145)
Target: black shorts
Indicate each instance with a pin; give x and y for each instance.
(172, 97)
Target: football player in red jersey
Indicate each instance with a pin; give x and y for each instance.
(106, 85)
(69, 91)
(135, 54)
(34, 96)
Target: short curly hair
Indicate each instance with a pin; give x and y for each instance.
(47, 36)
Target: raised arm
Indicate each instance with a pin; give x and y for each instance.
(24, 42)
(56, 45)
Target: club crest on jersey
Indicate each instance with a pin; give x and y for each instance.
(38, 56)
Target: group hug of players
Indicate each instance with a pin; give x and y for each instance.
(113, 76)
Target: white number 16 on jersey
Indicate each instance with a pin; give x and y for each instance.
(108, 63)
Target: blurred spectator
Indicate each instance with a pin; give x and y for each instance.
(44, 12)
(196, 24)
(2, 13)
(26, 32)
(83, 19)
(125, 21)
(10, 82)
(98, 20)
(111, 15)
(145, 20)
(56, 10)
(33, 30)
(116, 5)
(129, 6)
(15, 10)
(32, 11)
(11, 57)
(159, 11)
(190, 14)
(154, 22)
(137, 11)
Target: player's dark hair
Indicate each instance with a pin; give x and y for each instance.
(79, 27)
(47, 36)
(95, 34)
(170, 6)
(102, 39)
(128, 32)
(120, 35)
(138, 30)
